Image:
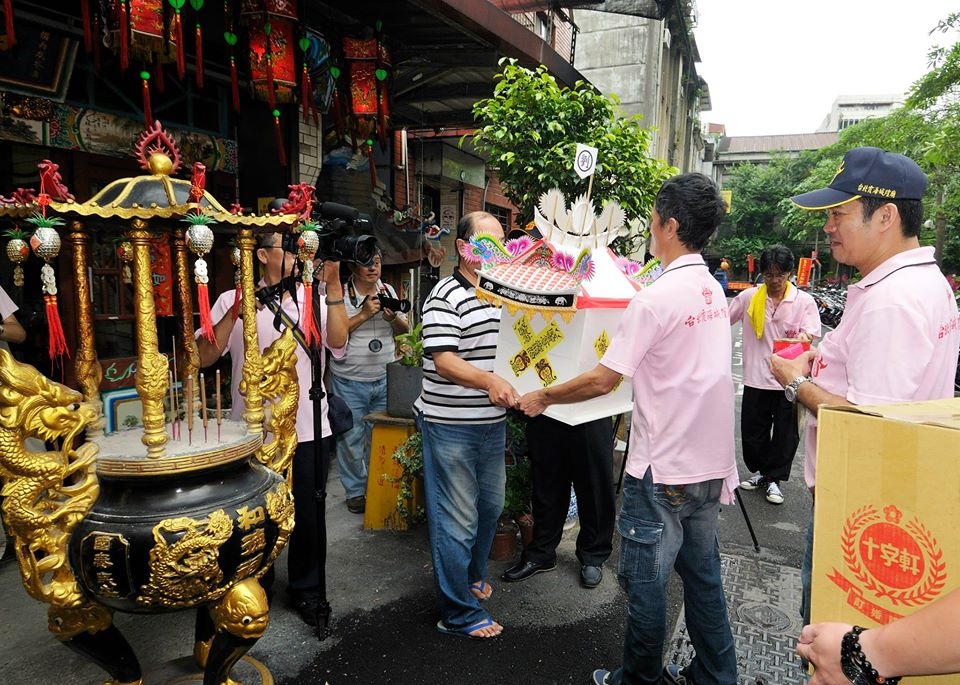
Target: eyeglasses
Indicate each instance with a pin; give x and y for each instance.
(775, 277)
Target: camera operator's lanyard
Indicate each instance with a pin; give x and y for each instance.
(375, 344)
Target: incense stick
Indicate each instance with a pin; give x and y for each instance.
(219, 413)
(203, 405)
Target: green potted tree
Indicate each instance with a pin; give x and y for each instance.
(405, 375)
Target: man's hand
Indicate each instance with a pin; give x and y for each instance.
(534, 403)
(785, 370)
(329, 273)
(501, 393)
(820, 645)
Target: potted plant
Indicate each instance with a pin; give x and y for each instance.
(519, 488)
(405, 375)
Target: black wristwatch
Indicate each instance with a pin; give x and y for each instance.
(791, 390)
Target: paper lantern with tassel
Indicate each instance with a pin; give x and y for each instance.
(362, 58)
(273, 60)
(200, 240)
(308, 243)
(17, 250)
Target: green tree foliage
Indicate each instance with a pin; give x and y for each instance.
(756, 209)
(529, 131)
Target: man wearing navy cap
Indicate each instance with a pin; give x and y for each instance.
(899, 335)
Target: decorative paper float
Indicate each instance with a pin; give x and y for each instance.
(570, 271)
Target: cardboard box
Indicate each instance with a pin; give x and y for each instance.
(886, 533)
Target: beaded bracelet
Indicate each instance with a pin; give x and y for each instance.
(854, 663)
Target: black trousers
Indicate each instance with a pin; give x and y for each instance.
(561, 454)
(304, 555)
(768, 429)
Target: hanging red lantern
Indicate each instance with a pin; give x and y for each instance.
(137, 28)
(362, 58)
(273, 59)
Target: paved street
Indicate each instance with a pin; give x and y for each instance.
(381, 591)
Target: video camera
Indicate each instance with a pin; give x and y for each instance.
(393, 304)
(334, 220)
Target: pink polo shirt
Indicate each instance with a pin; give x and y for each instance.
(796, 313)
(897, 341)
(673, 341)
(266, 334)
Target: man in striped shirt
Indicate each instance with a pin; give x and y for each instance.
(461, 416)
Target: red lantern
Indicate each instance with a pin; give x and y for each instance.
(368, 61)
(273, 56)
(137, 29)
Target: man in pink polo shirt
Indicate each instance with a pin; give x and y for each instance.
(899, 335)
(673, 341)
(771, 311)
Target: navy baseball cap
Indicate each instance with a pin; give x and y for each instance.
(868, 172)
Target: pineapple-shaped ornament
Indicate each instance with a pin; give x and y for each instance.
(308, 243)
(200, 241)
(235, 259)
(45, 243)
(17, 250)
(125, 254)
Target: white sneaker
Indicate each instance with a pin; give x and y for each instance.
(774, 496)
(755, 482)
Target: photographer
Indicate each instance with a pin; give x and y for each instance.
(360, 378)
(277, 258)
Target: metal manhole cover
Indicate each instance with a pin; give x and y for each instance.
(764, 616)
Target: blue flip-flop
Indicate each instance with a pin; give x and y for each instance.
(465, 632)
(481, 586)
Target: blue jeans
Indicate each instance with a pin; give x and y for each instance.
(664, 527)
(463, 478)
(353, 447)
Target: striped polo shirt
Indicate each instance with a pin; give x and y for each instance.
(454, 320)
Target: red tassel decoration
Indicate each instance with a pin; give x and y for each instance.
(309, 327)
(197, 5)
(373, 167)
(235, 309)
(58, 342)
(234, 84)
(124, 36)
(279, 137)
(268, 58)
(87, 26)
(147, 111)
(8, 18)
(305, 92)
(199, 56)
(181, 55)
(206, 323)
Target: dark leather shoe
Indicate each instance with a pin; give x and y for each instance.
(524, 569)
(308, 609)
(357, 505)
(590, 576)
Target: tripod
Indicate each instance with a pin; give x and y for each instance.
(623, 466)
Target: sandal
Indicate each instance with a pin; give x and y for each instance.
(468, 631)
(481, 590)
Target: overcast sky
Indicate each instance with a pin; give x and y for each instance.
(776, 66)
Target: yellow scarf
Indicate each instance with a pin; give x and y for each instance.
(756, 311)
